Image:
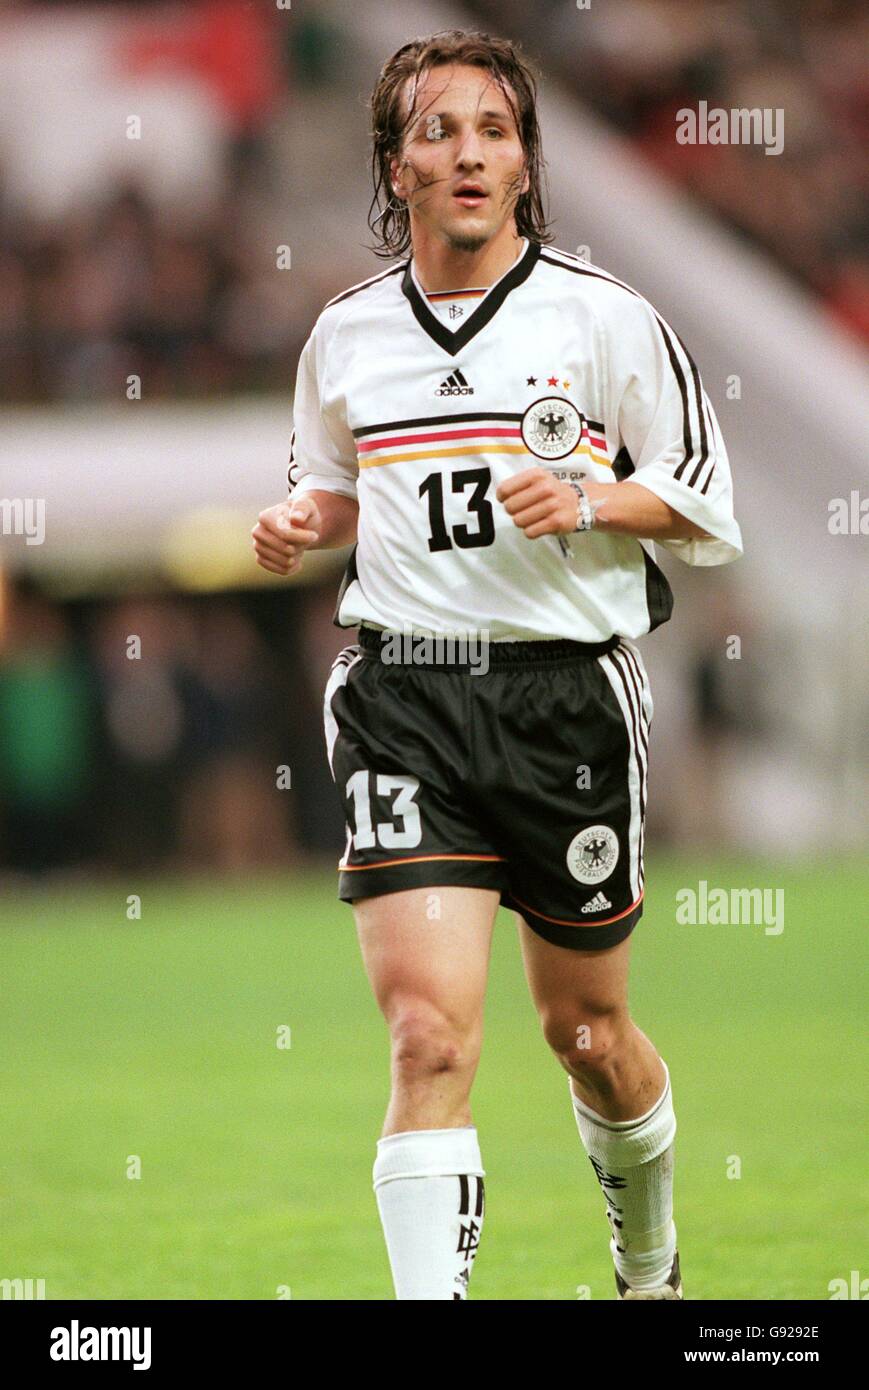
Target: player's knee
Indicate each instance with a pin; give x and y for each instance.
(583, 1045)
(426, 1042)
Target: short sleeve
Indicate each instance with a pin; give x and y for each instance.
(322, 448)
(665, 421)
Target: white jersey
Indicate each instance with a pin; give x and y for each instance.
(419, 406)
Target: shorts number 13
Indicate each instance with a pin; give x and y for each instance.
(402, 808)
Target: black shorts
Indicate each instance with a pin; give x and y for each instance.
(529, 779)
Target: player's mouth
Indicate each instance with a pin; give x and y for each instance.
(470, 195)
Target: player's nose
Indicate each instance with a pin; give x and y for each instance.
(470, 153)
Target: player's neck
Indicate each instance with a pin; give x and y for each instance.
(439, 266)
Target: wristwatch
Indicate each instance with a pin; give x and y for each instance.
(584, 512)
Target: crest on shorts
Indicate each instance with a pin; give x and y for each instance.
(593, 854)
(551, 427)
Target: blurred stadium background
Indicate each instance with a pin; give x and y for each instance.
(182, 187)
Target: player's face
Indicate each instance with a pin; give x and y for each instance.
(462, 166)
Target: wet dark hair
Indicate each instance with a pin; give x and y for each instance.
(390, 220)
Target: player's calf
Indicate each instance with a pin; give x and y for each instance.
(620, 1091)
(428, 1175)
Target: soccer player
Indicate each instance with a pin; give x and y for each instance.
(504, 430)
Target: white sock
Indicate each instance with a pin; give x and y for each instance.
(430, 1195)
(633, 1161)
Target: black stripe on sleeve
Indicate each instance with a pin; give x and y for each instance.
(687, 439)
(698, 396)
(293, 469)
(366, 284)
(714, 445)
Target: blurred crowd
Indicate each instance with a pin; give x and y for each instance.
(121, 288)
(164, 732)
(194, 299)
(117, 293)
(639, 62)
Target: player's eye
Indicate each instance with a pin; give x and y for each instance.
(493, 130)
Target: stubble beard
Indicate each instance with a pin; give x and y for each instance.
(467, 241)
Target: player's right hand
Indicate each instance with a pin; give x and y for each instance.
(283, 534)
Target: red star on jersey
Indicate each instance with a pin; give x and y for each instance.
(553, 381)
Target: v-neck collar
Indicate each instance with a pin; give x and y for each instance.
(453, 341)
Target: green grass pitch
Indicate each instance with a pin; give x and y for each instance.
(157, 1038)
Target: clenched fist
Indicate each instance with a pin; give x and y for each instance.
(283, 534)
(540, 504)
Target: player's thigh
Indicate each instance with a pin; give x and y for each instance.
(570, 987)
(427, 949)
(563, 799)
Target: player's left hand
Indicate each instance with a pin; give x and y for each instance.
(539, 504)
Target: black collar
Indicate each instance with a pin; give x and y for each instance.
(453, 342)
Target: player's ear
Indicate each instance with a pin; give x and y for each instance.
(395, 167)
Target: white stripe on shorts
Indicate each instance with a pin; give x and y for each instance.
(633, 664)
(629, 689)
(341, 668)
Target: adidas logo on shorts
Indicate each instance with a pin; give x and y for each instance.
(597, 904)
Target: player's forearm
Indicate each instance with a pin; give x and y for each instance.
(632, 510)
(339, 517)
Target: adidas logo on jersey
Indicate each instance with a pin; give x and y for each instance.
(597, 904)
(455, 385)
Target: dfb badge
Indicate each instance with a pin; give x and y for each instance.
(551, 428)
(593, 854)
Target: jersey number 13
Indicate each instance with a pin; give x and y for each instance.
(478, 506)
